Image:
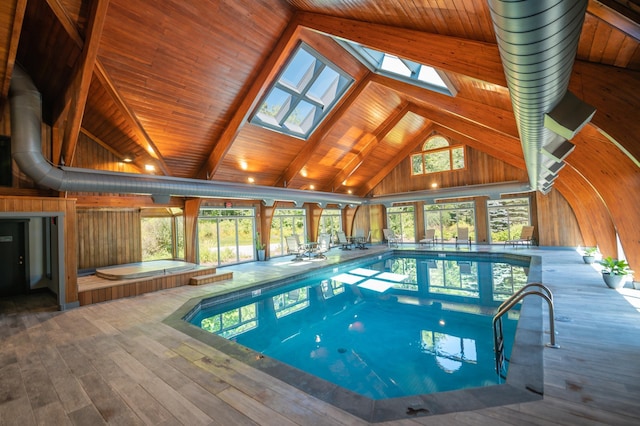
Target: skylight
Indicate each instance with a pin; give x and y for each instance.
(303, 94)
(399, 68)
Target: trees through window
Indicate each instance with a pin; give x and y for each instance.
(437, 156)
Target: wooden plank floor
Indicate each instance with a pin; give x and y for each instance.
(117, 363)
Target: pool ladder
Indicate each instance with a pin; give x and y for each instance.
(498, 335)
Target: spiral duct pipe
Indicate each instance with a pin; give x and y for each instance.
(538, 41)
(26, 117)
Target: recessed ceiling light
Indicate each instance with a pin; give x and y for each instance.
(434, 185)
(312, 187)
(149, 167)
(251, 180)
(350, 191)
(243, 165)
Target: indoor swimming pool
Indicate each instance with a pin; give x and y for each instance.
(386, 328)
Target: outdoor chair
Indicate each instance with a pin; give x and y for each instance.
(463, 237)
(429, 238)
(343, 241)
(392, 239)
(295, 248)
(526, 236)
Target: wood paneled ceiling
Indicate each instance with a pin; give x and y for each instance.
(173, 82)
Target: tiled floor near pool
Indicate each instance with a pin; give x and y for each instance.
(118, 363)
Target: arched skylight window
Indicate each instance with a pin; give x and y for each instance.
(303, 94)
(437, 155)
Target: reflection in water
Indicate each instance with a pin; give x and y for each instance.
(416, 334)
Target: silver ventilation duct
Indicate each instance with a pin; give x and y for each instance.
(26, 115)
(537, 40)
(26, 118)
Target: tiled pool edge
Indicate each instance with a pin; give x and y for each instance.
(525, 379)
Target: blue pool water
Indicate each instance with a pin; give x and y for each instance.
(384, 328)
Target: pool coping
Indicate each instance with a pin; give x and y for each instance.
(524, 383)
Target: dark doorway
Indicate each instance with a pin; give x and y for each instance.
(5, 161)
(13, 257)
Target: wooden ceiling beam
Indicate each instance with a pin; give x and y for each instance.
(483, 145)
(614, 14)
(394, 161)
(499, 120)
(373, 140)
(503, 147)
(143, 138)
(319, 134)
(268, 71)
(12, 48)
(78, 90)
(468, 57)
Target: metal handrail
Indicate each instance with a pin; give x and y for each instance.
(522, 290)
(498, 336)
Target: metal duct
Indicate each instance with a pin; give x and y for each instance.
(26, 117)
(537, 40)
(26, 149)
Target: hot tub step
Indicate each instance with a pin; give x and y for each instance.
(211, 278)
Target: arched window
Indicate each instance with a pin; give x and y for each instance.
(437, 155)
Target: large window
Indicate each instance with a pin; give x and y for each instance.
(162, 236)
(330, 221)
(401, 220)
(302, 95)
(507, 217)
(225, 236)
(437, 156)
(447, 218)
(286, 222)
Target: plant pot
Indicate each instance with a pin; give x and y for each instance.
(261, 255)
(614, 281)
(589, 259)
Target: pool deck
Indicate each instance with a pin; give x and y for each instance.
(118, 363)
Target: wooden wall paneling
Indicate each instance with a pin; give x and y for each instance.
(314, 212)
(482, 220)
(377, 222)
(481, 168)
(54, 205)
(594, 220)
(616, 178)
(419, 220)
(348, 213)
(109, 237)
(557, 225)
(191, 212)
(361, 219)
(265, 218)
(593, 84)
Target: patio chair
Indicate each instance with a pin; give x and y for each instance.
(526, 237)
(392, 239)
(463, 237)
(295, 248)
(324, 244)
(429, 238)
(360, 239)
(343, 241)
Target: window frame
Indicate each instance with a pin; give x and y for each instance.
(450, 148)
(300, 94)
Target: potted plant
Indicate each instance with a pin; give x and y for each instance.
(260, 247)
(589, 254)
(614, 272)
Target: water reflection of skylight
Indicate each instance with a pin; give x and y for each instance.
(399, 68)
(306, 90)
